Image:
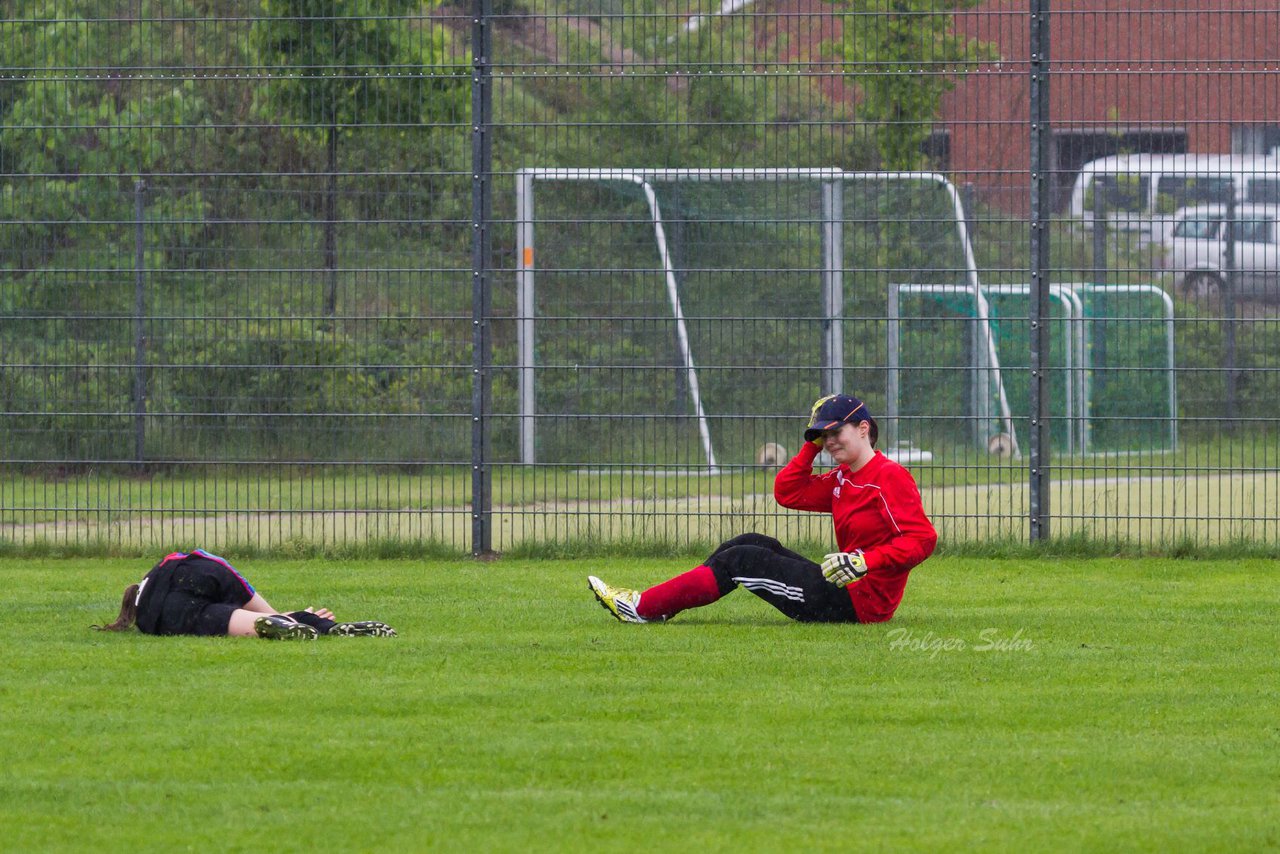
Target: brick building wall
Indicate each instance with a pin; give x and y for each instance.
(1195, 76)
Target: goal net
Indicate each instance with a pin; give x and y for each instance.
(686, 318)
(1110, 365)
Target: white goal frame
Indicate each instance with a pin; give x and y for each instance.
(832, 283)
(1078, 361)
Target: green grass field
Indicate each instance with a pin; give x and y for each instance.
(1092, 705)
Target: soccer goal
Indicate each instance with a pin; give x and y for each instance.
(945, 368)
(685, 299)
(1132, 393)
(1110, 364)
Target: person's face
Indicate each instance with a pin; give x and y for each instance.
(848, 443)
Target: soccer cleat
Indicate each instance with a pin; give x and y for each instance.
(276, 627)
(617, 600)
(362, 628)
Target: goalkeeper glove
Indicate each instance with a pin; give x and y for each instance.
(844, 568)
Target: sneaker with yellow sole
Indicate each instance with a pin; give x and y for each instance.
(277, 627)
(619, 601)
(362, 628)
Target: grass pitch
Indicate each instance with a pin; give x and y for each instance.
(1011, 705)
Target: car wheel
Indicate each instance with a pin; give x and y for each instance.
(1202, 288)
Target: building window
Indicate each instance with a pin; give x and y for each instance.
(1258, 139)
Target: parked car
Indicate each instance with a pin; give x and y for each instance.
(1141, 192)
(1197, 250)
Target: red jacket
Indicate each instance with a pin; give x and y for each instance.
(876, 509)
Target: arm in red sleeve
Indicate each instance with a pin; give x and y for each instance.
(796, 486)
(914, 538)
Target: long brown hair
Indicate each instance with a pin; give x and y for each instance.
(128, 611)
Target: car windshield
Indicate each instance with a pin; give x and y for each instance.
(1199, 227)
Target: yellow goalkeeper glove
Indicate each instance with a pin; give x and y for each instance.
(844, 568)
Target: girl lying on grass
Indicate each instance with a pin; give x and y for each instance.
(199, 593)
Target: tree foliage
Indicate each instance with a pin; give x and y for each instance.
(337, 64)
(661, 96)
(354, 62)
(74, 141)
(903, 56)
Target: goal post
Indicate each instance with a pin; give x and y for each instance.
(824, 219)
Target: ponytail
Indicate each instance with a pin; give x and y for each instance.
(128, 611)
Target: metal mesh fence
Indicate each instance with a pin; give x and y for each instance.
(512, 273)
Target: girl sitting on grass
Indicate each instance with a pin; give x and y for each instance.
(879, 521)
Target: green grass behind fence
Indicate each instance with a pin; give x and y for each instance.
(1014, 704)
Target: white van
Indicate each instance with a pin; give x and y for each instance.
(1197, 248)
(1141, 192)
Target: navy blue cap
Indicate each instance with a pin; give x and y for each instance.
(834, 410)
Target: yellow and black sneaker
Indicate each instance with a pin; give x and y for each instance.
(276, 627)
(617, 600)
(362, 628)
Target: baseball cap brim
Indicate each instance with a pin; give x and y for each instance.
(816, 430)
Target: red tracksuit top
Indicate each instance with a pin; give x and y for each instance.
(876, 509)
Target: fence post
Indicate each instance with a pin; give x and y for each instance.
(969, 201)
(481, 300)
(139, 325)
(1099, 233)
(832, 287)
(1040, 280)
(1229, 279)
(1099, 337)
